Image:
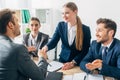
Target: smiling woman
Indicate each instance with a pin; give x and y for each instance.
(75, 40)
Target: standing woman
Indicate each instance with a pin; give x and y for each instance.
(74, 35)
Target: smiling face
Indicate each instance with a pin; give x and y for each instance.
(103, 35)
(68, 14)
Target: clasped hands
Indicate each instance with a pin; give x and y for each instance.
(31, 48)
(94, 65)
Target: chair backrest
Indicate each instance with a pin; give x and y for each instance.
(52, 54)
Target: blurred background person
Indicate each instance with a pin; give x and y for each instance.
(34, 40)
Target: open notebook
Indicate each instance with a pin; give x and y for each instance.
(54, 66)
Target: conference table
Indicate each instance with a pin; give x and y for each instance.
(72, 71)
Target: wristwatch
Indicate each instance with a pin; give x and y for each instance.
(73, 62)
(96, 71)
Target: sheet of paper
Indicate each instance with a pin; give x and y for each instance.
(85, 76)
(79, 76)
(95, 77)
(54, 66)
(67, 77)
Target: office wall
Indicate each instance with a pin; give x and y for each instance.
(89, 11)
(15, 4)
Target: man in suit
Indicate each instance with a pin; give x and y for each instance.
(35, 40)
(15, 62)
(101, 61)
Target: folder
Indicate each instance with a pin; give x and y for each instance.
(54, 76)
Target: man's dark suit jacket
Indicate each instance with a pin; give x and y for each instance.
(69, 53)
(16, 64)
(42, 39)
(112, 66)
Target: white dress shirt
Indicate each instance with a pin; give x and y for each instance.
(31, 40)
(71, 34)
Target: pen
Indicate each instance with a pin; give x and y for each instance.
(85, 77)
(49, 64)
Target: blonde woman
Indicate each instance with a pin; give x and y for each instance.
(74, 35)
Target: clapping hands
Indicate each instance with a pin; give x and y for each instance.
(94, 65)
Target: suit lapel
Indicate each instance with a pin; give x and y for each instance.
(109, 55)
(66, 33)
(38, 40)
(110, 52)
(26, 39)
(99, 51)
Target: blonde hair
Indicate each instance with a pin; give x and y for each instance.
(79, 31)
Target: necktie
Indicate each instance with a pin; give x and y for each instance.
(32, 42)
(104, 54)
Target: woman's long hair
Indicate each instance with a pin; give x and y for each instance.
(79, 31)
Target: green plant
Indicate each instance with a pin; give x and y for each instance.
(27, 30)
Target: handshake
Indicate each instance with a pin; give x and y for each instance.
(43, 52)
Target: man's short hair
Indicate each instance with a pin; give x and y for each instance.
(5, 17)
(110, 24)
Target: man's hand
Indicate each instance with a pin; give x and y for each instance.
(68, 65)
(94, 65)
(44, 49)
(42, 54)
(97, 61)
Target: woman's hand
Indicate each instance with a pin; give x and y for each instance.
(68, 65)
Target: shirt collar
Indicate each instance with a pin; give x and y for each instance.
(33, 38)
(72, 27)
(108, 44)
(12, 39)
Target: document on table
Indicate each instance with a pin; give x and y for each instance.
(95, 77)
(83, 76)
(67, 77)
(79, 76)
(54, 66)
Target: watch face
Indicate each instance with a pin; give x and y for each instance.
(73, 62)
(95, 72)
